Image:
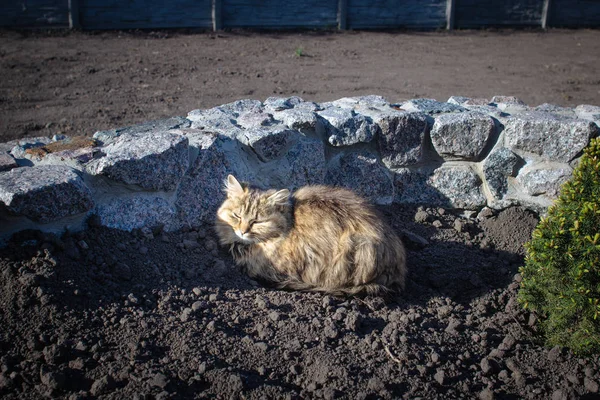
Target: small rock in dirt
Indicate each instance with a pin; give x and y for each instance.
(590, 385)
(485, 213)
(213, 297)
(486, 394)
(503, 375)
(185, 315)
(375, 384)
(454, 326)
(274, 316)
(437, 223)
(198, 305)
(261, 346)
(353, 321)
(488, 366)
(435, 357)
(103, 385)
(159, 380)
(295, 369)
(52, 379)
(560, 394)
(554, 353)
(197, 291)
(83, 245)
(573, 378)
(421, 216)
(211, 326)
(236, 384)
(330, 331)
(202, 367)
(459, 226)
(589, 372)
(508, 342)
(440, 376)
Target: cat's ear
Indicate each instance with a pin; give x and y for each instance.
(232, 187)
(280, 198)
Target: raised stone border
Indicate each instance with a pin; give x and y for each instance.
(462, 154)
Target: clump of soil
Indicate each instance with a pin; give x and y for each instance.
(67, 144)
(154, 315)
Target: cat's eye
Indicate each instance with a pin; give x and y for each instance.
(234, 215)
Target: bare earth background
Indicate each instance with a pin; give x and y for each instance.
(155, 315)
(78, 83)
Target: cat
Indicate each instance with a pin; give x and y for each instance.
(319, 238)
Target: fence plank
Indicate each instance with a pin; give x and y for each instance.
(575, 13)
(423, 14)
(145, 14)
(450, 7)
(279, 14)
(34, 13)
(342, 14)
(482, 13)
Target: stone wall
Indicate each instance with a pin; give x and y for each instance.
(462, 154)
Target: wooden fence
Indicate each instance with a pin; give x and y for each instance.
(308, 14)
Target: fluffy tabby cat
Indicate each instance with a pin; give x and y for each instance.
(320, 238)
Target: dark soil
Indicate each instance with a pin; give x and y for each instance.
(78, 83)
(154, 315)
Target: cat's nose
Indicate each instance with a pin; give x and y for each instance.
(245, 229)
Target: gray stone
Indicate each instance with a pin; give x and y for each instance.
(401, 137)
(497, 167)
(362, 173)
(201, 190)
(462, 135)
(552, 137)
(240, 106)
(303, 120)
(136, 212)
(431, 106)
(254, 119)
(554, 109)
(303, 164)
(7, 162)
(155, 161)
(344, 127)
(44, 193)
(588, 112)
(509, 104)
(214, 120)
(358, 101)
(150, 126)
(269, 143)
(449, 187)
(281, 103)
(539, 179)
(458, 100)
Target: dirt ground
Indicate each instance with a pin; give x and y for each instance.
(153, 315)
(78, 83)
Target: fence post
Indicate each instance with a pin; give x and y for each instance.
(217, 20)
(546, 14)
(450, 7)
(342, 14)
(74, 14)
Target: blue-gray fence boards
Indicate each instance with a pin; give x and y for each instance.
(420, 14)
(34, 13)
(279, 14)
(481, 13)
(575, 13)
(282, 14)
(145, 14)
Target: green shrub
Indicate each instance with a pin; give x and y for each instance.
(561, 276)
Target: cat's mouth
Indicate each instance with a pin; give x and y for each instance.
(244, 237)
